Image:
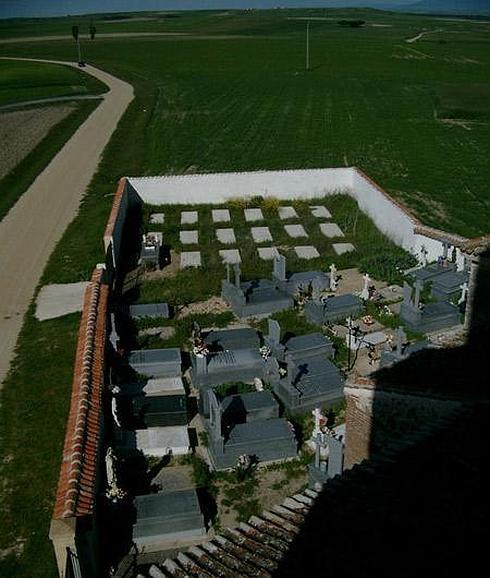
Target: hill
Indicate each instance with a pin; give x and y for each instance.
(449, 6)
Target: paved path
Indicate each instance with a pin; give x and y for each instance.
(35, 224)
(50, 100)
(421, 35)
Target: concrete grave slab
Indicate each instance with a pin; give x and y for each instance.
(157, 218)
(331, 230)
(341, 248)
(230, 256)
(59, 299)
(307, 252)
(295, 231)
(253, 215)
(268, 253)
(261, 234)
(226, 236)
(162, 441)
(190, 259)
(188, 217)
(287, 213)
(320, 212)
(220, 215)
(188, 237)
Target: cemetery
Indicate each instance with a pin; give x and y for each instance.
(248, 384)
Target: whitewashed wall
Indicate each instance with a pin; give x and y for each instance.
(390, 218)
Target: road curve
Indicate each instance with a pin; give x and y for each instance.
(35, 224)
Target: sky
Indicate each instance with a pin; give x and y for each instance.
(16, 8)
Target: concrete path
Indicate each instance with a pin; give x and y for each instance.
(421, 35)
(35, 224)
(15, 105)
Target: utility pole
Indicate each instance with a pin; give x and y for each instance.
(307, 45)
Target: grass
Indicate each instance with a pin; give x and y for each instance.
(244, 103)
(25, 81)
(15, 183)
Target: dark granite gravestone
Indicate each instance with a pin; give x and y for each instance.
(304, 281)
(156, 362)
(266, 439)
(333, 308)
(140, 311)
(308, 383)
(430, 317)
(226, 339)
(254, 298)
(249, 407)
(320, 471)
(310, 345)
(166, 518)
(448, 285)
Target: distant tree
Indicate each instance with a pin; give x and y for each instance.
(351, 23)
(74, 32)
(92, 31)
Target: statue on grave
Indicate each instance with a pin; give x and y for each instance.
(333, 279)
(365, 290)
(320, 422)
(114, 411)
(464, 293)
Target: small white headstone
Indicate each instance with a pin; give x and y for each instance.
(307, 252)
(220, 215)
(295, 231)
(188, 237)
(261, 234)
(190, 259)
(331, 230)
(287, 213)
(341, 248)
(320, 212)
(188, 217)
(231, 256)
(253, 215)
(226, 236)
(267, 253)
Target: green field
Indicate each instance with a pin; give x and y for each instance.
(25, 81)
(415, 117)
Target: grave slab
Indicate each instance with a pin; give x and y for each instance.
(261, 234)
(226, 236)
(188, 237)
(188, 217)
(157, 218)
(220, 215)
(307, 252)
(295, 231)
(341, 248)
(230, 256)
(287, 213)
(59, 299)
(331, 230)
(190, 259)
(320, 212)
(253, 215)
(268, 253)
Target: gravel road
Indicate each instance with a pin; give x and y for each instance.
(33, 227)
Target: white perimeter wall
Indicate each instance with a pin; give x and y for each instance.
(389, 217)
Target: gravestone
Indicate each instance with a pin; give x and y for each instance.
(287, 213)
(341, 248)
(307, 252)
(150, 310)
(188, 217)
(188, 237)
(253, 215)
(231, 256)
(261, 234)
(279, 270)
(331, 230)
(320, 212)
(226, 236)
(220, 215)
(190, 259)
(157, 218)
(267, 253)
(295, 231)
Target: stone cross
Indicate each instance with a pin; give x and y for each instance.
(401, 337)
(365, 290)
(445, 249)
(236, 268)
(114, 411)
(279, 270)
(320, 421)
(418, 288)
(228, 274)
(464, 293)
(274, 330)
(407, 293)
(114, 337)
(214, 414)
(333, 274)
(424, 253)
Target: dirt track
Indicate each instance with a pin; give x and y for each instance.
(32, 228)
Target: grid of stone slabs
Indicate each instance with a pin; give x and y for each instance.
(190, 259)
(261, 234)
(320, 212)
(287, 213)
(341, 248)
(331, 230)
(221, 215)
(188, 237)
(230, 256)
(226, 236)
(295, 231)
(267, 253)
(307, 252)
(188, 217)
(253, 215)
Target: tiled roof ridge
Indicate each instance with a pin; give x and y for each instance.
(75, 493)
(256, 548)
(252, 549)
(116, 205)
